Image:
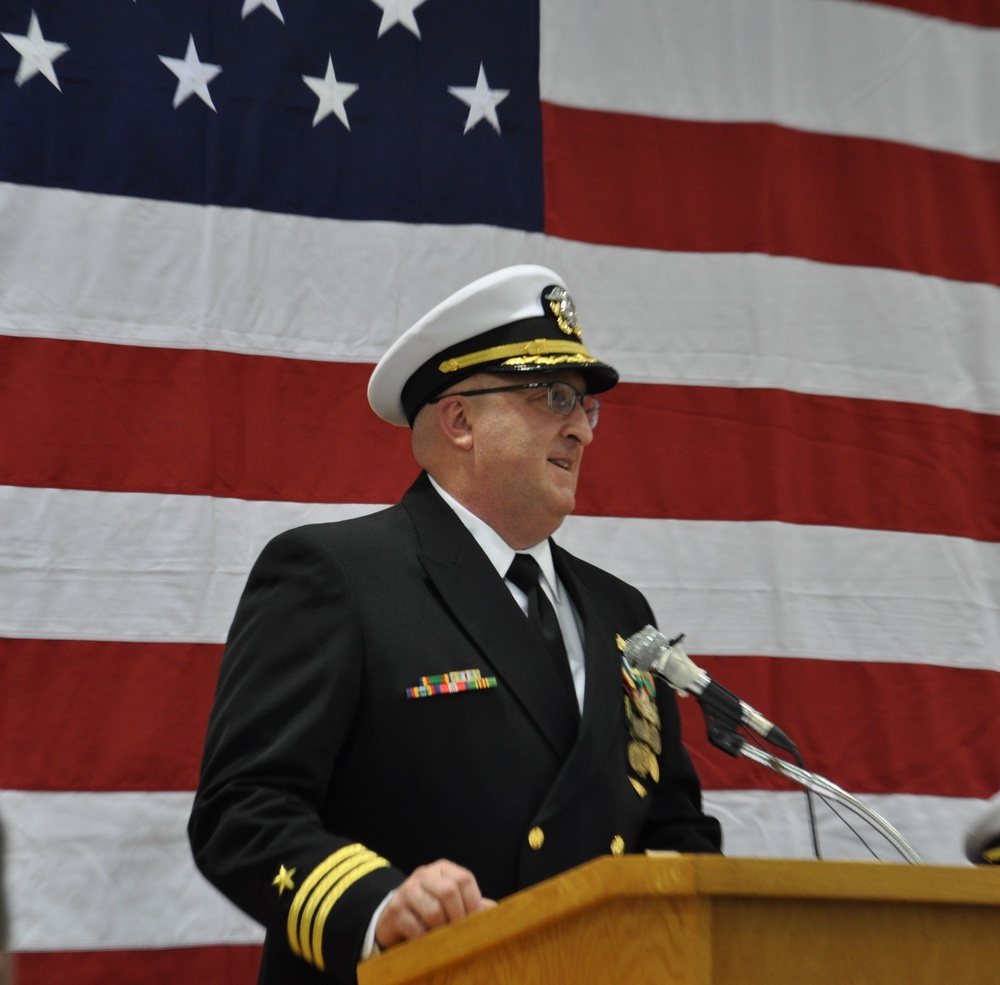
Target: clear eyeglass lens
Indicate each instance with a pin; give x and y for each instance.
(563, 398)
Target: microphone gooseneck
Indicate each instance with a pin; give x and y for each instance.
(649, 650)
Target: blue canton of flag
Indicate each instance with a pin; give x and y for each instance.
(403, 110)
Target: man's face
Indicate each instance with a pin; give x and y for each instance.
(527, 457)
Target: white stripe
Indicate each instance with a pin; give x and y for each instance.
(123, 566)
(113, 870)
(759, 321)
(857, 69)
(776, 589)
(303, 289)
(757, 823)
(110, 870)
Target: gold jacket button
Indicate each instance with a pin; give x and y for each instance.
(536, 838)
(617, 845)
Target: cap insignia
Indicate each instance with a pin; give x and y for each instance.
(561, 305)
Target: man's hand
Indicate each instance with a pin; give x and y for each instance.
(433, 895)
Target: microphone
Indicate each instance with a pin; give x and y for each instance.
(650, 650)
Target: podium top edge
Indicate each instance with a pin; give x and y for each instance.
(603, 880)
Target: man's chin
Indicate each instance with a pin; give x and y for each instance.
(563, 505)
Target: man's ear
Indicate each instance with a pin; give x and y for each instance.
(454, 421)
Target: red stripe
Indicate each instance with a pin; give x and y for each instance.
(870, 727)
(982, 13)
(716, 453)
(114, 716)
(761, 188)
(132, 717)
(216, 965)
(132, 419)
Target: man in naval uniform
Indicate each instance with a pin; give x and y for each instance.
(423, 710)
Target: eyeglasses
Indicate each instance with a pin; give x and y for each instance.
(562, 397)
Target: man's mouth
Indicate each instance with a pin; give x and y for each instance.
(561, 462)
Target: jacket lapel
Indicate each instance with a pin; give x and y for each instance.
(604, 695)
(482, 605)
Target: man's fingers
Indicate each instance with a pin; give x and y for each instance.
(454, 889)
(432, 896)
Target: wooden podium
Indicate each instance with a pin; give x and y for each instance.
(707, 920)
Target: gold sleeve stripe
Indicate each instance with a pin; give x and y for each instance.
(314, 888)
(327, 884)
(336, 891)
(307, 887)
(536, 347)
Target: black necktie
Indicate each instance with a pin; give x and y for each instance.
(524, 572)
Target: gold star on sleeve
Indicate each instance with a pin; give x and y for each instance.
(283, 880)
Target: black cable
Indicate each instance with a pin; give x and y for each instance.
(810, 806)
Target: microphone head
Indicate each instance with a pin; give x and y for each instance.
(642, 648)
(650, 650)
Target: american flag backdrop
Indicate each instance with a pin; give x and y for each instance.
(780, 219)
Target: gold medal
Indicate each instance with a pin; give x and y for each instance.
(638, 787)
(647, 708)
(643, 760)
(644, 731)
(638, 757)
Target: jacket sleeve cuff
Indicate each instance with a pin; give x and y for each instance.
(333, 906)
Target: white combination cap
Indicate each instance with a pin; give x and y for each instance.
(519, 319)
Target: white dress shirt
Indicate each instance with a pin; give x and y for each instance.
(501, 554)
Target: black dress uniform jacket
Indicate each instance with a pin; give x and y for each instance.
(323, 785)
